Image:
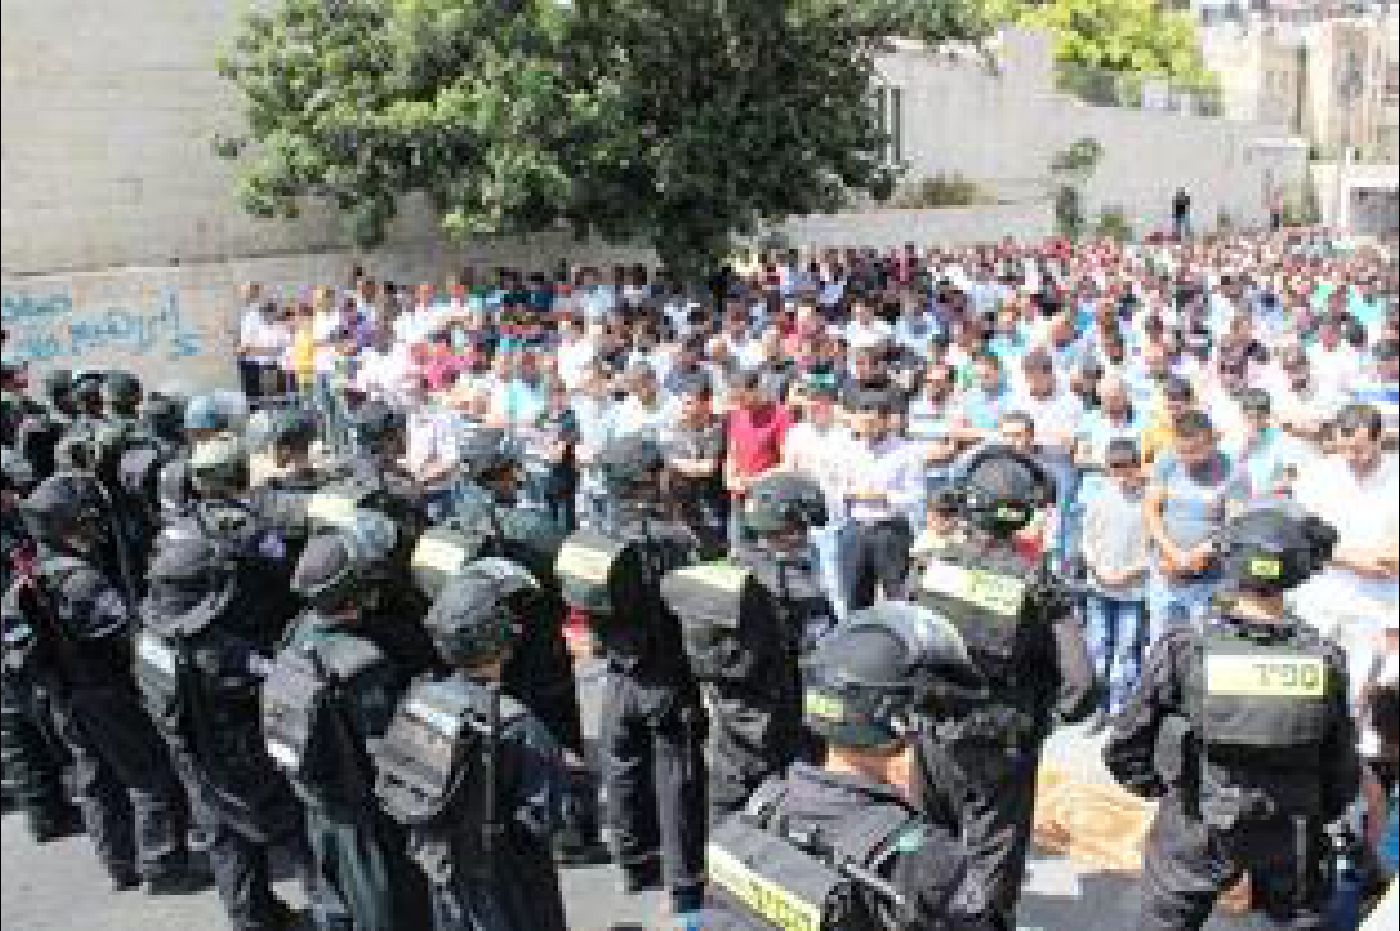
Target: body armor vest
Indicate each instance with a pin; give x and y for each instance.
(1263, 708)
(988, 598)
(804, 610)
(303, 714)
(782, 873)
(728, 620)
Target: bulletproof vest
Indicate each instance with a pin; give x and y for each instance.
(804, 609)
(443, 551)
(262, 561)
(437, 771)
(36, 440)
(596, 572)
(1262, 709)
(792, 875)
(988, 598)
(303, 715)
(729, 624)
(165, 672)
(138, 474)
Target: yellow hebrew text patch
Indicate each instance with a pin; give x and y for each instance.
(337, 510)
(1266, 675)
(991, 591)
(766, 899)
(724, 576)
(434, 553)
(584, 564)
(1265, 567)
(819, 705)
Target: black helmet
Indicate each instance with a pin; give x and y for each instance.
(1273, 547)
(292, 429)
(164, 416)
(377, 424)
(58, 385)
(630, 465)
(783, 502)
(477, 614)
(866, 677)
(1000, 488)
(335, 567)
(485, 452)
(192, 580)
(64, 504)
(138, 474)
(121, 392)
(87, 387)
(16, 471)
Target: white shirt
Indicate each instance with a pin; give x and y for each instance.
(634, 418)
(432, 437)
(382, 375)
(892, 466)
(572, 359)
(1363, 510)
(822, 454)
(264, 340)
(1334, 371)
(1059, 413)
(859, 335)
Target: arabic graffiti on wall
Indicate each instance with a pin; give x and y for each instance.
(49, 328)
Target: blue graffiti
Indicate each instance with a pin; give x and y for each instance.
(46, 328)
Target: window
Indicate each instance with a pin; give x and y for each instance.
(889, 120)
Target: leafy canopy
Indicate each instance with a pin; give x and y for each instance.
(1142, 37)
(674, 123)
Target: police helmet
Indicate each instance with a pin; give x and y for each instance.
(1274, 547)
(257, 434)
(205, 413)
(64, 504)
(784, 502)
(293, 429)
(219, 465)
(191, 581)
(16, 471)
(58, 385)
(121, 392)
(87, 388)
(1000, 488)
(475, 617)
(164, 416)
(485, 453)
(630, 466)
(377, 425)
(338, 566)
(867, 677)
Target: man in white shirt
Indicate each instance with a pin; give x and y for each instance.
(642, 412)
(575, 352)
(882, 485)
(1356, 598)
(1335, 365)
(865, 329)
(262, 340)
(819, 446)
(431, 453)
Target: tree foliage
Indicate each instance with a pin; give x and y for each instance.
(675, 123)
(1142, 37)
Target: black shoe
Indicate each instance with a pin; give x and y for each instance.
(47, 827)
(642, 877)
(1098, 723)
(124, 880)
(577, 852)
(176, 882)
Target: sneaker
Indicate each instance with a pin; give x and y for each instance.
(176, 882)
(576, 852)
(124, 879)
(642, 877)
(47, 827)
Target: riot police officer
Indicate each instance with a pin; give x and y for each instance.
(200, 652)
(1241, 726)
(743, 639)
(489, 518)
(30, 751)
(652, 720)
(205, 418)
(978, 761)
(473, 775)
(329, 694)
(68, 632)
(838, 846)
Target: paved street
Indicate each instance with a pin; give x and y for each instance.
(60, 887)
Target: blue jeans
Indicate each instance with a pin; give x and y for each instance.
(1116, 629)
(1171, 603)
(330, 404)
(825, 541)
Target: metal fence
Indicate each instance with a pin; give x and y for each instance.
(1118, 89)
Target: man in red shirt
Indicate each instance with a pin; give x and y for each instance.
(756, 428)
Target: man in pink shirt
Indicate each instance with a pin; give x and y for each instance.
(756, 428)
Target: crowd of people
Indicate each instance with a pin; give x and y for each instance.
(1083, 434)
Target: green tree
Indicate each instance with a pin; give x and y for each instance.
(674, 123)
(1141, 37)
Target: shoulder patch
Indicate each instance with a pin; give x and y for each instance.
(911, 839)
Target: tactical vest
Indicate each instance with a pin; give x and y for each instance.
(303, 713)
(37, 642)
(783, 873)
(988, 598)
(728, 621)
(595, 572)
(437, 771)
(1261, 711)
(805, 611)
(443, 551)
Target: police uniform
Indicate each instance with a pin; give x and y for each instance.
(978, 759)
(73, 629)
(700, 503)
(652, 731)
(1242, 727)
(830, 850)
(472, 775)
(217, 605)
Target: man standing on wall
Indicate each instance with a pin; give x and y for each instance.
(1181, 214)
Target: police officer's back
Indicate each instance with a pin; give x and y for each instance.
(838, 846)
(979, 759)
(1241, 726)
(473, 776)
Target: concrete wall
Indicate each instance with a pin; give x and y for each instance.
(1003, 128)
(951, 226)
